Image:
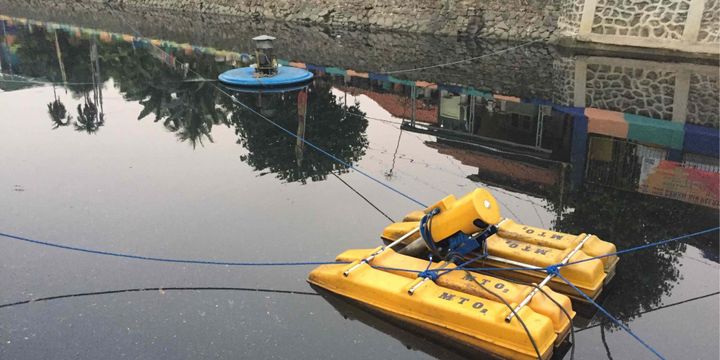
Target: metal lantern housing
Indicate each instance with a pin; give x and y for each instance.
(265, 63)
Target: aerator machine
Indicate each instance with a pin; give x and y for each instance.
(509, 244)
(428, 275)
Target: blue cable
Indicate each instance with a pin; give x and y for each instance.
(645, 246)
(427, 273)
(609, 316)
(319, 149)
(184, 261)
(212, 262)
(432, 274)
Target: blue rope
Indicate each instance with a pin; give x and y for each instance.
(645, 246)
(553, 269)
(425, 231)
(322, 151)
(433, 274)
(427, 273)
(169, 260)
(609, 316)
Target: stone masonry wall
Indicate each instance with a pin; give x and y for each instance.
(527, 19)
(499, 19)
(661, 19)
(686, 25)
(525, 72)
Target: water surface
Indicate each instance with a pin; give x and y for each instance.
(110, 143)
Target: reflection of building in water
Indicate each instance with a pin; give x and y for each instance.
(396, 99)
(631, 166)
(509, 138)
(664, 158)
(506, 121)
(539, 178)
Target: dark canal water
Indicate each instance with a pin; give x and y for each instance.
(111, 144)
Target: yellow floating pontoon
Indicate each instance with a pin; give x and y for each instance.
(516, 245)
(485, 312)
(456, 305)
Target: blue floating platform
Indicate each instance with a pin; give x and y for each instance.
(285, 76)
(266, 90)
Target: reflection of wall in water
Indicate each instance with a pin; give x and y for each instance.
(668, 91)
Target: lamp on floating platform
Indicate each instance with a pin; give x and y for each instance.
(265, 62)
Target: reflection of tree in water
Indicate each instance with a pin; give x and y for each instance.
(89, 119)
(631, 219)
(190, 109)
(58, 113)
(39, 58)
(187, 108)
(328, 125)
(56, 109)
(193, 114)
(61, 58)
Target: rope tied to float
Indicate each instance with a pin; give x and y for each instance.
(428, 273)
(553, 269)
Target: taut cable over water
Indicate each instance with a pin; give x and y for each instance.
(463, 60)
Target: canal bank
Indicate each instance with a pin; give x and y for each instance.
(685, 26)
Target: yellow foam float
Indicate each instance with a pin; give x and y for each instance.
(493, 311)
(517, 243)
(454, 306)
